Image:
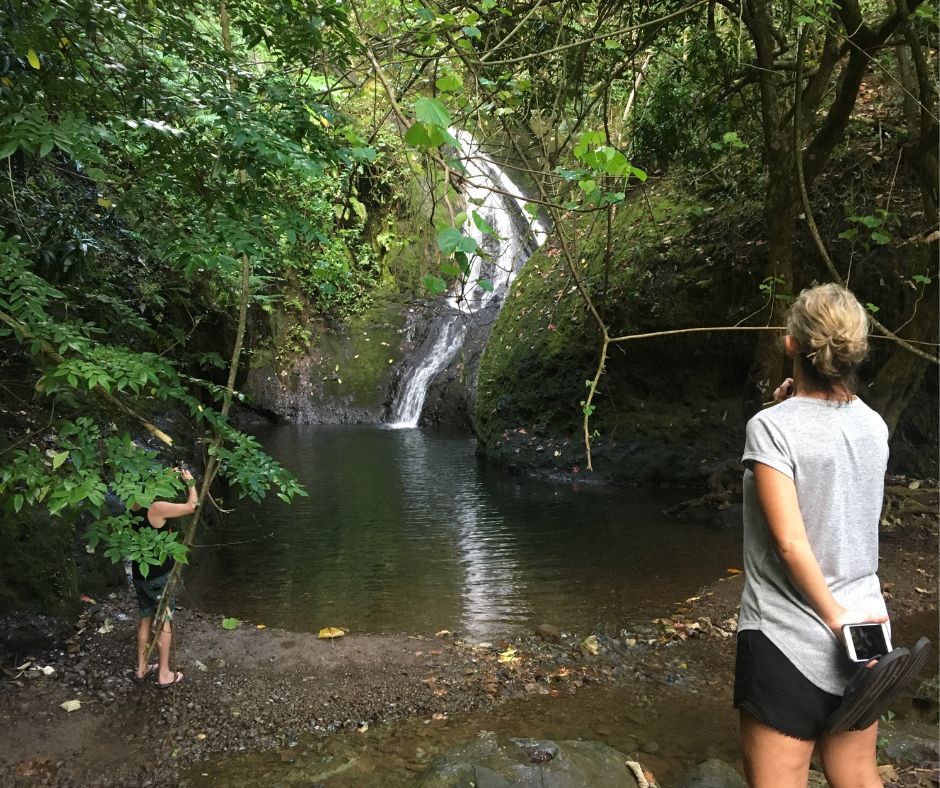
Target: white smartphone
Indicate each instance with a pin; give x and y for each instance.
(865, 642)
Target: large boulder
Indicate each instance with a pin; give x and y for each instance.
(501, 762)
(711, 774)
(908, 743)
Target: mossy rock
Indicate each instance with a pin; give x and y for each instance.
(343, 376)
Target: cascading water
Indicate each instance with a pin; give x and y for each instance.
(488, 190)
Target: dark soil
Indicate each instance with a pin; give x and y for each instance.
(254, 689)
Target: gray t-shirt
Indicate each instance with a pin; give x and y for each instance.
(836, 454)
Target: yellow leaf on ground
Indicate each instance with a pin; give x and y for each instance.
(104, 202)
(328, 633)
(734, 571)
(589, 644)
(261, 626)
(33, 59)
(71, 705)
(509, 656)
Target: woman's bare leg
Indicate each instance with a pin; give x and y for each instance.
(849, 759)
(771, 758)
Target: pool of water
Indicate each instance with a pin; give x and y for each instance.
(409, 531)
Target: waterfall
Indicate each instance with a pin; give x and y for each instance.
(516, 235)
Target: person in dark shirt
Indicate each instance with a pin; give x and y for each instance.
(150, 589)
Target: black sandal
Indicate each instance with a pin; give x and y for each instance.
(874, 689)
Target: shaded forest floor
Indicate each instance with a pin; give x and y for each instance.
(266, 691)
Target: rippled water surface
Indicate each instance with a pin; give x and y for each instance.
(408, 531)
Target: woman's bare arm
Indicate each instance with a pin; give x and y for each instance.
(776, 494)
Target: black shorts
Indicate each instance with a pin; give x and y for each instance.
(775, 693)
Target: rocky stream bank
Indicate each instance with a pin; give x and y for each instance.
(259, 690)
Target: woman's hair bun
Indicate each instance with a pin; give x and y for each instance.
(831, 328)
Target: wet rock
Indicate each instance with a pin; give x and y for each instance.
(816, 780)
(503, 762)
(905, 743)
(926, 697)
(713, 773)
(548, 632)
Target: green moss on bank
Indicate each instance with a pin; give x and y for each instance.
(668, 269)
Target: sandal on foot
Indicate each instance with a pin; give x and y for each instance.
(177, 678)
(151, 670)
(874, 689)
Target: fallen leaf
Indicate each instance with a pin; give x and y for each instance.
(328, 633)
(200, 737)
(71, 705)
(439, 716)
(230, 623)
(509, 656)
(87, 599)
(442, 633)
(589, 644)
(201, 666)
(261, 626)
(48, 670)
(921, 590)
(734, 571)
(106, 627)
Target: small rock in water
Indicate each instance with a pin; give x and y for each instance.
(549, 633)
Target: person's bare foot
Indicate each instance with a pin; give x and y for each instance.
(172, 677)
(148, 672)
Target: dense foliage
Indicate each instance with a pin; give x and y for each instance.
(164, 161)
(149, 150)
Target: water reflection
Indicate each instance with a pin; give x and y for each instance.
(408, 531)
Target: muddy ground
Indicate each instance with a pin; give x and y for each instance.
(253, 689)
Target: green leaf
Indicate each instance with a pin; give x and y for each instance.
(17, 502)
(449, 240)
(485, 284)
(880, 237)
(9, 148)
(587, 186)
(849, 234)
(471, 31)
(59, 458)
(481, 224)
(431, 111)
(230, 623)
(872, 308)
(434, 284)
(451, 83)
(33, 59)
(45, 147)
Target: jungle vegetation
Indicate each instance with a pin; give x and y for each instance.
(175, 173)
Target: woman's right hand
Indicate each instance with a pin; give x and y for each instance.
(784, 391)
(854, 617)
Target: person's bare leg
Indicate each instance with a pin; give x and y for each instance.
(849, 758)
(143, 638)
(771, 758)
(165, 675)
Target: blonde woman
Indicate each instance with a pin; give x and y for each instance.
(813, 487)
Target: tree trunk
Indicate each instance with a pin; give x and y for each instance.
(899, 378)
